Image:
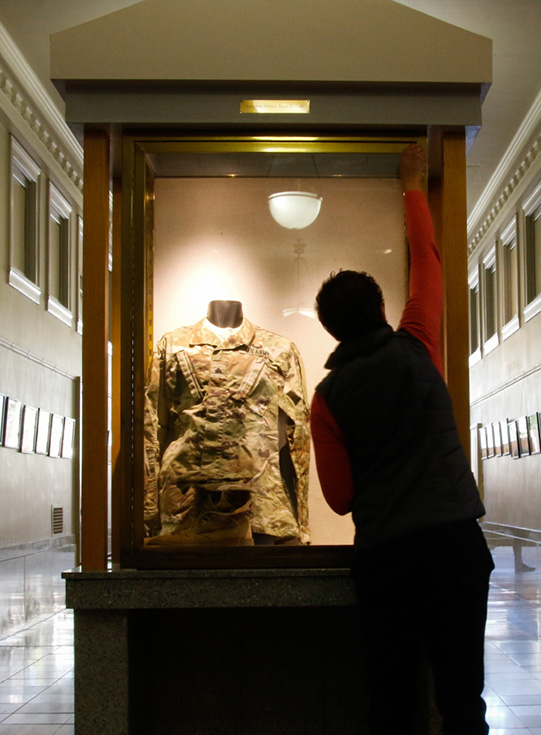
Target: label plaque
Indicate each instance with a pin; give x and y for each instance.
(275, 107)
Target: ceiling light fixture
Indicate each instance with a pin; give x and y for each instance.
(294, 209)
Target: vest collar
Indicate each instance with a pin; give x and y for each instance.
(363, 344)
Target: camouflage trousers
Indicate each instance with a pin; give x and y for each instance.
(214, 517)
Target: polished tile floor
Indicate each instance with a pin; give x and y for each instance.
(513, 640)
(36, 678)
(36, 662)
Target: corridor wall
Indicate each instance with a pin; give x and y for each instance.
(505, 323)
(40, 344)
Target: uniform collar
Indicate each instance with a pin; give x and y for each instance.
(201, 335)
(363, 344)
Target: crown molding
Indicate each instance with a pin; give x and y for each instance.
(510, 172)
(29, 107)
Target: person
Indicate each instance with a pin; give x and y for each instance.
(387, 450)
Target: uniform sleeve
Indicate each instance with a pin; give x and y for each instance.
(332, 458)
(294, 403)
(422, 313)
(152, 432)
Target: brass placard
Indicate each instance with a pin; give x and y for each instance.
(275, 107)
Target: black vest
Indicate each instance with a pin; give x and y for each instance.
(394, 410)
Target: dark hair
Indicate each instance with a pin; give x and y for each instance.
(350, 303)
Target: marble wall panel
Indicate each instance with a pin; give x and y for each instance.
(12, 607)
(31, 585)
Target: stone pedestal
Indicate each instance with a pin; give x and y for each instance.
(208, 652)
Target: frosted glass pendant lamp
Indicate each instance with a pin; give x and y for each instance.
(294, 209)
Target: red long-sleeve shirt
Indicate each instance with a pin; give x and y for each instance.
(421, 318)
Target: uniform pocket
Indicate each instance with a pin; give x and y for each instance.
(182, 361)
(259, 386)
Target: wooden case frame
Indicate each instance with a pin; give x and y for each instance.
(131, 301)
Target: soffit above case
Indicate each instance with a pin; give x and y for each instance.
(283, 40)
(366, 62)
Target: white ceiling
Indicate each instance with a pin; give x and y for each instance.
(514, 26)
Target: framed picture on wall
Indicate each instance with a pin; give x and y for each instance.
(497, 439)
(523, 436)
(2, 416)
(12, 433)
(30, 422)
(67, 438)
(42, 437)
(490, 440)
(483, 442)
(55, 441)
(513, 439)
(534, 433)
(504, 431)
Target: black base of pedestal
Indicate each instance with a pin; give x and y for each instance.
(247, 672)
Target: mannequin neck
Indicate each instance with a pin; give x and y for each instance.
(225, 313)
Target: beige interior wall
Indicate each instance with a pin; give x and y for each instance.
(4, 204)
(509, 378)
(30, 483)
(513, 358)
(24, 322)
(215, 239)
(506, 382)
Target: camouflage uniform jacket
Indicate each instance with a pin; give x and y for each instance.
(213, 420)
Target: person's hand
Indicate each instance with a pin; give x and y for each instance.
(412, 167)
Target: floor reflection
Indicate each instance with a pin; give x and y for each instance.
(36, 662)
(513, 640)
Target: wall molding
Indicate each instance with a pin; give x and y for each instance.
(507, 176)
(12, 347)
(15, 551)
(29, 107)
(505, 386)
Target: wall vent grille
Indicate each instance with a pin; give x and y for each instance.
(57, 519)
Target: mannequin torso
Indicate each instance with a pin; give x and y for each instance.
(225, 313)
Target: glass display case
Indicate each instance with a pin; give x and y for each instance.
(225, 243)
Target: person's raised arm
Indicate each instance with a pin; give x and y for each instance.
(422, 313)
(412, 168)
